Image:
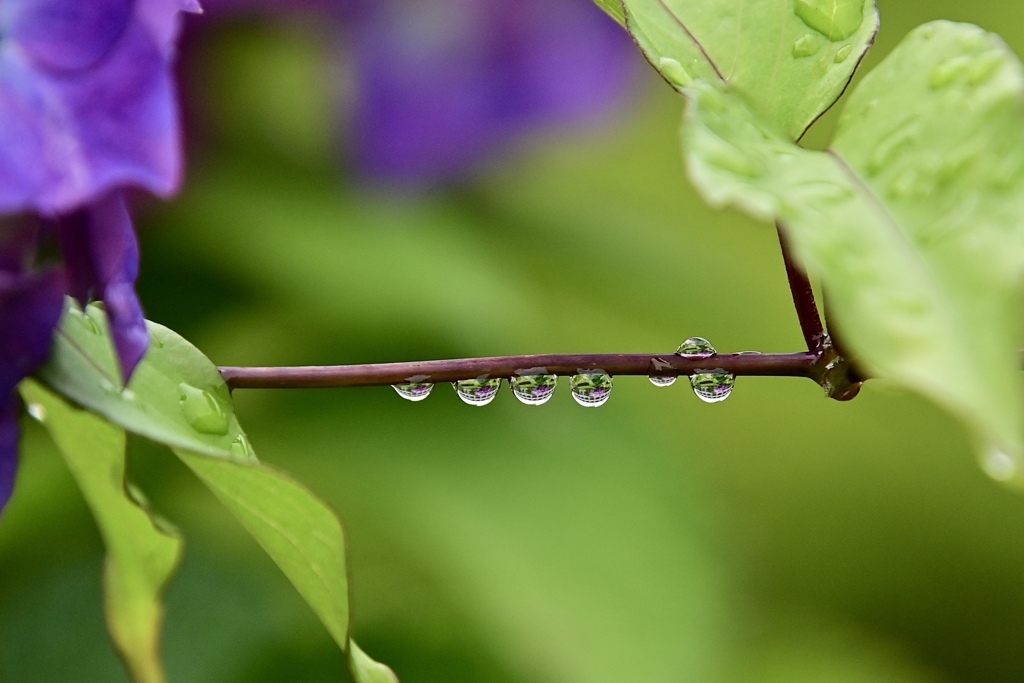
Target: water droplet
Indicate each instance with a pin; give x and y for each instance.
(662, 381)
(710, 386)
(240, 448)
(108, 386)
(806, 45)
(413, 391)
(948, 71)
(591, 388)
(1000, 465)
(714, 386)
(674, 72)
(534, 390)
(842, 53)
(836, 19)
(477, 392)
(37, 411)
(696, 347)
(985, 67)
(128, 395)
(84, 320)
(202, 410)
(891, 143)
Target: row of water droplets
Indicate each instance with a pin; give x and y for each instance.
(590, 388)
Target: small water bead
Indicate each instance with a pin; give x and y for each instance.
(806, 46)
(37, 411)
(836, 19)
(591, 389)
(842, 53)
(533, 390)
(713, 386)
(477, 392)
(662, 381)
(674, 72)
(413, 391)
(1000, 465)
(203, 411)
(240, 448)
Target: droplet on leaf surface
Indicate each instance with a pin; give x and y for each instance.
(202, 410)
(835, 19)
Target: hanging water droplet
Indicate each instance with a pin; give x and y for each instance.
(477, 392)
(202, 410)
(534, 389)
(662, 380)
(806, 45)
(37, 411)
(413, 391)
(240, 448)
(710, 386)
(1000, 465)
(591, 388)
(837, 19)
(674, 72)
(842, 53)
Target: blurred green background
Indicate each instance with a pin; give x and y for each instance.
(776, 537)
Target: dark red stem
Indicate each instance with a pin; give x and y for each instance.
(803, 298)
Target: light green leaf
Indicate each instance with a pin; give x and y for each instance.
(614, 9)
(365, 670)
(299, 531)
(142, 550)
(914, 220)
(176, 396)
(791, 59)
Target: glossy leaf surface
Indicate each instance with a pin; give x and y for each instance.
(914, 220)
(142, 550)
(790, 59)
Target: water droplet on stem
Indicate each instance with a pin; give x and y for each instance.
(533, 390)
(477, 392)
(413, 391)
(710, 386)
(591, 388)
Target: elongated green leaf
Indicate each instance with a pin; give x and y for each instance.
(176, 396)
(613, 8)
(365, 670)
(142, 550)
(298, 530)
(914, 221)
(791, 59)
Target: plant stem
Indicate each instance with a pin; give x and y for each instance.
(803, 298)
(667, 365)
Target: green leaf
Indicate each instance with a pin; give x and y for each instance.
(791, 59)
(913, 220)
(176, 396)
(614, 10)
(365, 670)
(142, 550)
(296, 529)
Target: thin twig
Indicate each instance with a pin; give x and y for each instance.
(666, 365)
(803, 298)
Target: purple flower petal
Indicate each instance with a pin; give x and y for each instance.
(101, 256)
(30, 307)
(69, 136)
(9, 411)
(66, 35)
(442, 82)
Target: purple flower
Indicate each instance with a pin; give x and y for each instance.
(30, 306)
(443, 83)
(87, 109)
(440, 85)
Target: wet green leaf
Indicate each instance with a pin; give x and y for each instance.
(178, 398)
(791, 59)
(142, 550)
(913, 220)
